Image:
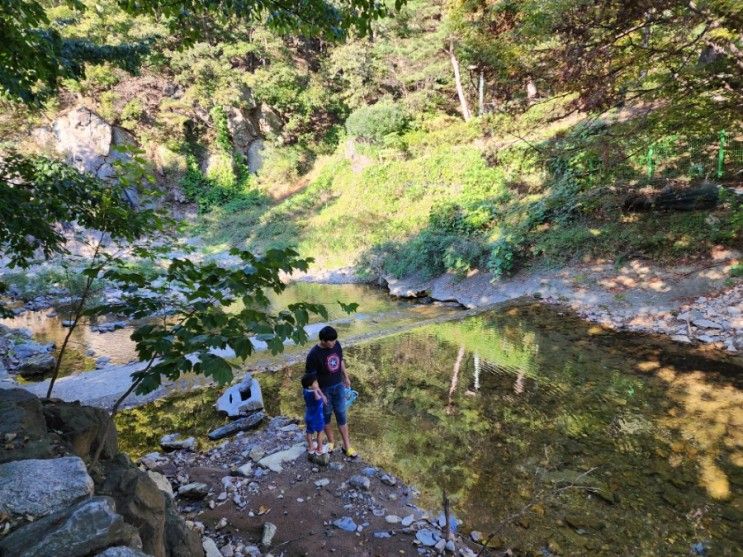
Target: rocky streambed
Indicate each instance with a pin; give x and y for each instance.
(257, 493)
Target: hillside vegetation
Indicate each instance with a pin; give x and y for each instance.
(563, 126)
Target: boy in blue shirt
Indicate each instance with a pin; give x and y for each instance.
(314, 415)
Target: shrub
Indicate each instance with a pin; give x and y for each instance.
(375, 122)
(132, 113)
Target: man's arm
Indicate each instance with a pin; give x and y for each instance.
(346, 377)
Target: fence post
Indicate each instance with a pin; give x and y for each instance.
(651, 161)
(721, 154)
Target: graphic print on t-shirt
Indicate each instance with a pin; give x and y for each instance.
(333, 363)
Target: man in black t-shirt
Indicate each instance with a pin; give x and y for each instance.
(326, 361)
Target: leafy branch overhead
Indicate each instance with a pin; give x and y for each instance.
(212, 315)
(35, 55)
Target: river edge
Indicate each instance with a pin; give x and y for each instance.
(693, 303)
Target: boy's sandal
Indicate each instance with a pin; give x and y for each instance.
(350, 452)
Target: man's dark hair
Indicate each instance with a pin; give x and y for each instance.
(308, 379)
(328, 333)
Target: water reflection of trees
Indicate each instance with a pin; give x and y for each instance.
(538, 396)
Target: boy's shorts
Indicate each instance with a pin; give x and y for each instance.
(315, 422)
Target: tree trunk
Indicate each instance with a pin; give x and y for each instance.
(481, 94)
(531, 89)
(458, 81)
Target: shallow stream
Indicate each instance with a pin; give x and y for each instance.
(551, 434)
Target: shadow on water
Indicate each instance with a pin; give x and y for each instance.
(547, 431)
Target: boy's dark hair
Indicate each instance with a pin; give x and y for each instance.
(328, 333)
(308, 379)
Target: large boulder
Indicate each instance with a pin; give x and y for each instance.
(39, 487)
(22, 427)
(255, 155)
(241, 424)
(180, 541)
(37, 365)
(77, 531)
(84, 138)
(242, 129)
(82, 428)
(138, 500)
(241, 399)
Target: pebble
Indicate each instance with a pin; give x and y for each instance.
(346, 523)
(392, 519)
(269, 531)
(408, 520)
(360, 482)
(476, 536)
(195, 490)
(382, 535)
(322, 482)
(388, 480)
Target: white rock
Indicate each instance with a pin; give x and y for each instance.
(408, 520)
(322, 482)
(246, 469)
(392, 519)
(241, 399)
(269, 531)
(274, 461)
(210, 548)
(175, 441)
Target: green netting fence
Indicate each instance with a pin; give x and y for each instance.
(701, 157)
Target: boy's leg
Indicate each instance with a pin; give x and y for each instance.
(309, 442)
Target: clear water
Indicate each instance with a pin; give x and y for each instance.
(377, 312)
(553, 435)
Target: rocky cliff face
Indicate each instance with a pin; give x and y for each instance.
(54, 502)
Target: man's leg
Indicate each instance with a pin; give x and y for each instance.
(344, 435)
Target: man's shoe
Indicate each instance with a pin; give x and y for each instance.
(350, 452)
(329, 447)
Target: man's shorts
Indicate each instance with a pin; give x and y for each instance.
(336, 395)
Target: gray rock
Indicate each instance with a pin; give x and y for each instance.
(194, 490)
(241, 399)
(36, 365)
(360, 482)
(175, 441)
(392, 519)
(388, 480)
(476, 536)
(162, 483)
(210, 548)
(408, 520)
(241, 424)
(83, 529)
(255, 156)
(346, 524)
(705, 323)
(322, 482)
(440, 545)
(427, 537)
(40, 487)
(450, 547)
(27, 349)
(269, 531)
(245, 470)
(122, 551)
(21, 414)
(274, 461)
